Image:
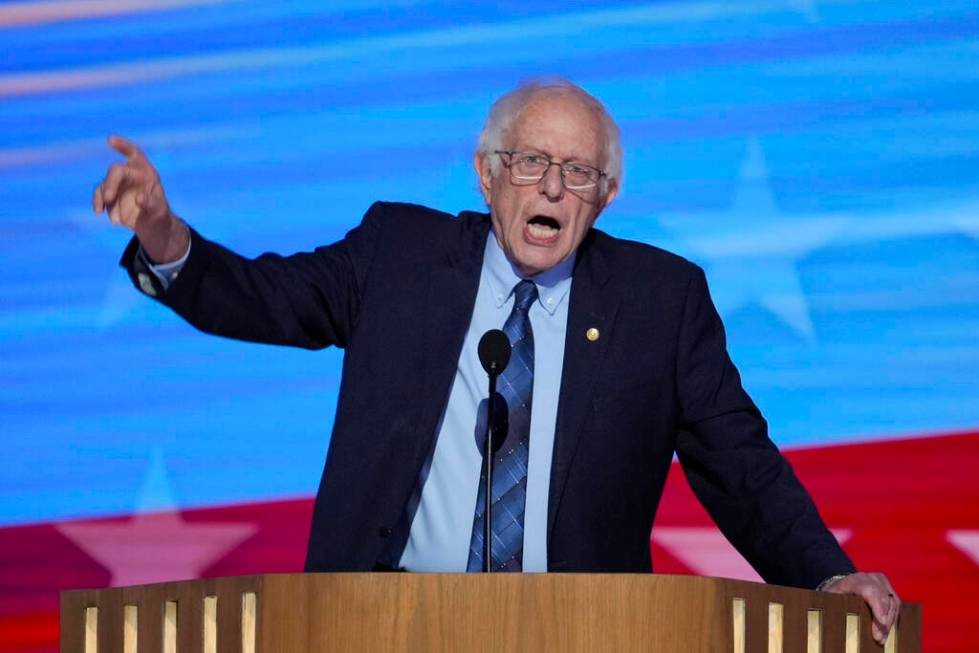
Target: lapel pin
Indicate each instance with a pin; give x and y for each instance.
(592, 334)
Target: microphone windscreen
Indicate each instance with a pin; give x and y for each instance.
(494, 351)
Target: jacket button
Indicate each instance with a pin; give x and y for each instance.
(384, 531)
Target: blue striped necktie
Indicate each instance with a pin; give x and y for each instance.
(516, 385)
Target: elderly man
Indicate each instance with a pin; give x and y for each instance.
(619, 361)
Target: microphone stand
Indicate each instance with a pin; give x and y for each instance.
(494, 355)
(488, 469)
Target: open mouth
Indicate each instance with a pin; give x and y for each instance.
(543, 227)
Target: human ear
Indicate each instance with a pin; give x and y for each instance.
(613, 190)
(484, 170)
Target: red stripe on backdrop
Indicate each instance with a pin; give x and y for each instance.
(907, 507)
(28, 633)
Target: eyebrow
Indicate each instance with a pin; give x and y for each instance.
(536, 150)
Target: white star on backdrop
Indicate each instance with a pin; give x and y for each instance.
(752, 249)
(965, 541)
(156, 544)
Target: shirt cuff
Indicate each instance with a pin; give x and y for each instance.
(165, 272)
(829, 581)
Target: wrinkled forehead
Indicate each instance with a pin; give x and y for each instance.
(557, 116)
(553, 103)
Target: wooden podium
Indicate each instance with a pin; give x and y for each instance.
(295, 613)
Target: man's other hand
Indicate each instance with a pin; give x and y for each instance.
(132, 194)
(876, 590)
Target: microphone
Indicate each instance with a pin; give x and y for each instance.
(494, 355)
(494, 351)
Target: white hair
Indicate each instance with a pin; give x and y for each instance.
(509, 106)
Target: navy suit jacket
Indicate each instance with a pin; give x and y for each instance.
(398, 294)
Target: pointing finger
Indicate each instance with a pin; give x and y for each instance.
(128, 149)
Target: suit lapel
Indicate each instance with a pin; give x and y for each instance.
(592, 307)
(449, 303)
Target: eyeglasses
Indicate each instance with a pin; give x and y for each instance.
(528, 168)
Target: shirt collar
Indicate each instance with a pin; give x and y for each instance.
(553, 285)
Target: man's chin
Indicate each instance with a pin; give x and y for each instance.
(533, 265)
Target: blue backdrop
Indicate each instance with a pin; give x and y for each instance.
(819, 158)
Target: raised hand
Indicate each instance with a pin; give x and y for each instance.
(132, 194)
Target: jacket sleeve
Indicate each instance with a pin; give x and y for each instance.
(310, 299)
(733, 467)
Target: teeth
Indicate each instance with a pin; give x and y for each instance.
(539, 230)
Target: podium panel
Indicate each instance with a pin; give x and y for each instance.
(472, 612)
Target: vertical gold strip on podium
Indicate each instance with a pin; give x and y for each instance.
(852, 633)
(130, 626)
(210, 624)
(814, 631)
(248, 608)
(170, 627)
(91, 630)
(775, 635)
(738, 609)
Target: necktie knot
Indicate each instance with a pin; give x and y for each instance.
(524, 294)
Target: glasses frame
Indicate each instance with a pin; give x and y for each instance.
(529, 181)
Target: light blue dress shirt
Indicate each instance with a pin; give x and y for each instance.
(442, 525)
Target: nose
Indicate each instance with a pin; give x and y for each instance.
(551, 185)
